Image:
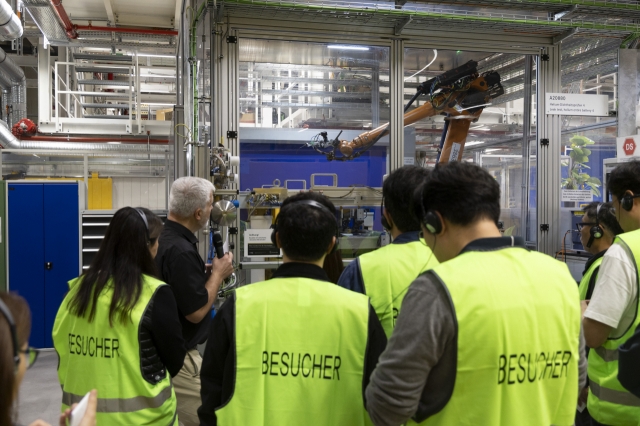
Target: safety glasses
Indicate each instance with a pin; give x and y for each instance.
(581, 225)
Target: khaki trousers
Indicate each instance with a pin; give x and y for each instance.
(187, 388)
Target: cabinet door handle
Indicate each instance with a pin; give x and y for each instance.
(48, 266)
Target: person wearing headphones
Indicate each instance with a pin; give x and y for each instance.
(16, 357)
(385, 274)
(598, 229)
(613, 313)
(491, 335)
(118, 330)
(296, 349)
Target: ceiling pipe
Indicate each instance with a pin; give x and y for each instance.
(18, 88)
(76, 139)
(10, 25)
(131, 30)
(9, 141)
(64, 18)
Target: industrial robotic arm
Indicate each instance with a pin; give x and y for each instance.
(460, 94)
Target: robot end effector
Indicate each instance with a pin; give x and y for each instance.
(460, 93)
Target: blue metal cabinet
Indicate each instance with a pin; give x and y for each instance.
(43, 249)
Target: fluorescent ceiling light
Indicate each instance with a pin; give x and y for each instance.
(157, 75)
(115, 143)
(157, 103)
(493, 149)
(346, 47)
(150, 55)
(473, 143)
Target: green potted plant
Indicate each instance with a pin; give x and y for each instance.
(579, 156)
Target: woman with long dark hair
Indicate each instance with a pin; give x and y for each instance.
(16, 357)
(118, 330)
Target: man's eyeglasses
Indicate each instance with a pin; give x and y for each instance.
(32, 355)
(581, 225)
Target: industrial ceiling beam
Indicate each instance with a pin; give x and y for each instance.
(478, 19)
(177, 14)
(397, 30)
(565, 35)
(109, 7)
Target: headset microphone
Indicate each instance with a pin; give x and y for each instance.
(218, 245)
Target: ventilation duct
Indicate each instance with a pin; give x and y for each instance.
(5, 84)
(10, 25)
(134, 150)
(18, 88)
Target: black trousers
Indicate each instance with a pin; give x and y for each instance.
(584, 418)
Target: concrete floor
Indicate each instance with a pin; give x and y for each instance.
(40, 393)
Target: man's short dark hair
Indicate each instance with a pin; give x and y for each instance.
(625, 177)
(397, 191)
(462, 193)
(306, 231)
(606, 216)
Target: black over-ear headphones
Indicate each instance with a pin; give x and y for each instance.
(146, 223)
(429, 219)
(432, 222)
(12, 329)
(313, 204)
(596, 231)
(627, 201)
(383, 220)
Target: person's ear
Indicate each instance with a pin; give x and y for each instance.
(331, 244)
(278, 245)
(387, 216)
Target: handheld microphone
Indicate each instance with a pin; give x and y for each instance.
(218, 245)
(230, 282)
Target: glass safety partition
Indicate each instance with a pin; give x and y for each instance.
(587, 141)
(302, 106)
(495, 136)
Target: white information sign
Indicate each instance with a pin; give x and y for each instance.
(577, 104)
(409, 161)
(579, 195)
(257, 243)
(627, 146)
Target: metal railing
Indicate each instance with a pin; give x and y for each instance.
(81, 97)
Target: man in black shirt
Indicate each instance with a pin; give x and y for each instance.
(194, 286)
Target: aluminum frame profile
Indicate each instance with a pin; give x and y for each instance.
(396, 130)
(548, 168)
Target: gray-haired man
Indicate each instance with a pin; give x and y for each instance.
(180, 265)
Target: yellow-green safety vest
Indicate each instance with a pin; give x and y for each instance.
(300, 349)
(609, 402)
(387, 274)
(583, 288)
(518, 322)
(95, 355)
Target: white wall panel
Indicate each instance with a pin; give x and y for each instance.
(139, 192)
